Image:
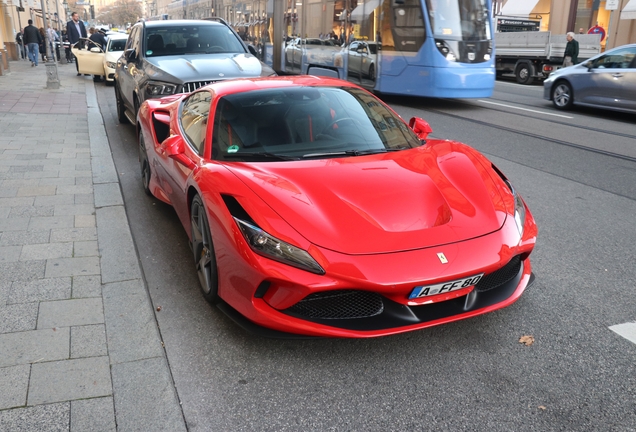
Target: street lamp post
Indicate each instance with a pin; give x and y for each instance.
(52, 78)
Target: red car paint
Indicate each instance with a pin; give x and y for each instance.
(374, 223)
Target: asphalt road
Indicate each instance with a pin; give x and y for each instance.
(576, 171)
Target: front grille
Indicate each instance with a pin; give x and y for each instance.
(501, 276)
(344, 304)
(192, 86)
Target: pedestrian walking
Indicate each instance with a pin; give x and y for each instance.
(75, 30)
(571, 55)
(19, 39)
(32, 39)
(42, 43)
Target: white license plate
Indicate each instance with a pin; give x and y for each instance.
(446, 287)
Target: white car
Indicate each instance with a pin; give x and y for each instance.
(94, 61)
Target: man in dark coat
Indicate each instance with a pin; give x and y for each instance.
(100, 40)
(571, 55)
(32, 39)
(75, 30)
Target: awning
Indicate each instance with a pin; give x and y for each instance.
(629, 11)
(519, 8)
(364, 10)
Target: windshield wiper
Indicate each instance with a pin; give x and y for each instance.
(258, 155)
(352, 152)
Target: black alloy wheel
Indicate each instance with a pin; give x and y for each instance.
(121, 108)
(145, 165)
(203, 249)
(562, 97)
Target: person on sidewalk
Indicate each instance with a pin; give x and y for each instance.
(571, 55)
(75, 30)
(100, 40)
(43, 43)
(19, 39)
(54, 40)
(32, 40)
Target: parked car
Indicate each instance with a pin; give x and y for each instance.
(363, 58)
(313, 208)
(168, 57)
(91, 59)
(605, 81)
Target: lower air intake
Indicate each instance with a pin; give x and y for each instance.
(345, 304)
(501, 276)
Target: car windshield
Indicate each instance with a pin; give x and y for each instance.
(191, 39)
(459, 19)
(116, 44)
(306, 123)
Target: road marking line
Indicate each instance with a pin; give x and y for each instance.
(525, 109)
(627, 330)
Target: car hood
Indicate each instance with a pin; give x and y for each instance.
(112, 56)
(382, 203)
(206, 67)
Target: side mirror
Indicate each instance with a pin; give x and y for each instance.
(252, 50)
(175, 150)
(420, 127)
(130, 55)
(95, 50)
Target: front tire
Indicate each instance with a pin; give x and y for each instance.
(562, 96)
(145, 165)
(203, 249)
(372, 73)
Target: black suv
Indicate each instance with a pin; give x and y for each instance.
(167, 57)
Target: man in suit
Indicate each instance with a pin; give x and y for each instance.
(75, 30)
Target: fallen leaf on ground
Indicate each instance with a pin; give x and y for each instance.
(526, 340)
(542, 408)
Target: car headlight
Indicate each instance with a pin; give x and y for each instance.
(155, 88)
(269, 246)
(111, 65)
(520, 209)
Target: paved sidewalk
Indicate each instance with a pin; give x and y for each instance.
(79, 345)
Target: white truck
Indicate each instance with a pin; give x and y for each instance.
(536, 54)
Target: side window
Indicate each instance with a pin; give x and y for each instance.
(621, 59)
(194, 119)
(131, 38)
(353, 46)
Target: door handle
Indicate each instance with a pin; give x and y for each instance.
(617, 75)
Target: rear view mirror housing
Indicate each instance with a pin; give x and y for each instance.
(420, 127)
(130, 55)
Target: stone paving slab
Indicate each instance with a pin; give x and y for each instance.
(78, 335)
(73, 312)
(34, 346)
(49, 418)
(14, 383)
(93, 415)
(69, 380)
(145, 382)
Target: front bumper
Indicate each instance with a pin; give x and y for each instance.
(271, 296)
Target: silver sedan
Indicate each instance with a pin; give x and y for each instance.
(605, 81)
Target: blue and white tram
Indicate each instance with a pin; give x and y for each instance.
(431, 48)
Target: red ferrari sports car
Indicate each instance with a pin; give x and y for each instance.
(313, 209)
